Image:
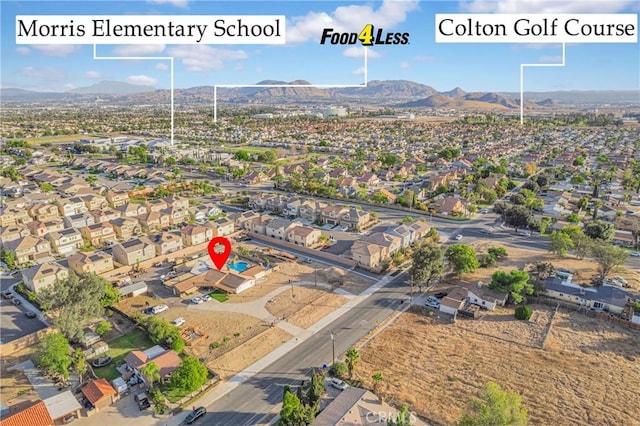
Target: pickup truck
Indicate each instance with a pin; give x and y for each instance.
(143, 401)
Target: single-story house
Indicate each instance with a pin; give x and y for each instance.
(99, 393)
(134, 289)
(608, 298)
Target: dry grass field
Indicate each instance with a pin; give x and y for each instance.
(304, 306)
(14, 383)
(587, 375)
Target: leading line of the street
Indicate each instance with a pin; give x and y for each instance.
(255, 398)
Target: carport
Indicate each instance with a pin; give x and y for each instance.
(63, 406)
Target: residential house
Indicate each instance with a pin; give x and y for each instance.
(40, 229)
(98, 233)
(101, 216)
(154, 221)
(419, 230)
(92, 262)
(369, 180)
(450, 206)
(240, 219)
(176, 215)
(18, 216)
(367, 254)
(179, 203)
(454, 301)
(167, 360)
(134, 251)
(235, 283)
(42, 212)
(78, 220)
(623, 238)
(116, 198)
(292, 208)
(69, 206)
(38, 277)
(193, 235)
(303, 235)
(333, 214)
(94, 201)
(66, 241)
(35, 414)
(99, 393)
(165, 243)
(29, 249)
(312, 210)
(391, 242)
(390, 196)
(156, 205)
(486, 298)
(131, 210)
(355, 218)
(403, 232)
(608, 298)
(125, 227)
(225, 226)
(258, 224)
(12, 233)
(277, 228)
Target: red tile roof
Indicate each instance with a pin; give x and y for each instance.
(95, 390)
(35, 415)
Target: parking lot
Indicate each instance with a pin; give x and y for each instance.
(15, 323)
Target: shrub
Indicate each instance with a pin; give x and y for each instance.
(339, 369)
(523, 312)
(214, 345)
(488, 260)
(103, 327)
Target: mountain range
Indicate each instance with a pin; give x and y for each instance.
(396, 93)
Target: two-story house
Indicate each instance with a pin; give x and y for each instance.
(98, 233)
(193, 235)
(131, 210)
(65, 241)
(125, 227)
(92, 262)
(12, 233)
(333, 214)
(225, 226)
(70, 206)
(78, 220)
(278, 228)
(43, 212)
(355, 218)
(153, 221)
(38, 277)
(134, 251)
(17, 216)
(94, 201)
(165, 243)
(40, 229)
(179, 203)
(117, 198)
(29, 249)
(303, 235)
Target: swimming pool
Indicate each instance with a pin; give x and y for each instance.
(238, 266)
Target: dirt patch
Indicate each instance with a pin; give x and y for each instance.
(304, 306)
(14, 383)
(583, 270)
(238, 359)
(588, 374)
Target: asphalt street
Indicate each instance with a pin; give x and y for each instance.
(253, 401)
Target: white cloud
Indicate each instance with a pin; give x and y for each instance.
(348, 19)
(203, 58)
(176, 3)
(56, 49)
(550, 59)
(92, 74)
(68, 86)
(161, 67)
(139, 49)
(404, 65)
(141, 80)
(24, 51)
(358, 52)
(546, 6)
(358, 71)
(43, 73)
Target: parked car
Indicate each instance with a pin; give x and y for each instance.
(486, 231)
(159, 308)
(308, 260)
(196, 300)
(432, 302)
(195, 415)
(440, 294)
(143, 401)
(339, 384)
(206, 298)
(7, 294)
(157, 264)
(635, 254)
(30, 314)
(16, 302)
(178, 321)
(103, 361)
(524, 233)
(458, 237)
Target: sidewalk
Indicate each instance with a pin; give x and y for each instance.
(300, 335)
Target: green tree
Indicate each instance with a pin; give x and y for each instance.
(152, 372)
(462, 258)
(46, 186)
(608, 257)
(8, 257)
(352, 359)
(560, 243)
(498, 252)
(73, 301)
(495, 407)
(523, 313)
(599, 230)
(103, 327)
(581, 243)
(111, 295)
(403, 418)
(162, 331)
(190, 376)
(519, 217)
(428, 264)
(53, 355)
(516, 283)
(339, 369)
(377, 378)
(293, 413)
(315, 391)
(79, 363)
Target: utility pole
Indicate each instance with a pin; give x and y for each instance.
(333, 346)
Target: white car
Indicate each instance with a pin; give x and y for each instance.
(635, 254)
(432, 302)
(178, 321)
(486, 231)
(205, 298)
(197, 300)
(458, 237)
(339, 384)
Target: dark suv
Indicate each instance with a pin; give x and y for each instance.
(195, 415)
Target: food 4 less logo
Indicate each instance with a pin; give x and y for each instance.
(369, 36)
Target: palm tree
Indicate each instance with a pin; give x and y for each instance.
(152, 372)
(377, 378)
(352, 359)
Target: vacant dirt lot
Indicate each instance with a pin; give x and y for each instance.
(588, 374)
(14, 383)
(304, 306)
(583, 270)
(239, 358)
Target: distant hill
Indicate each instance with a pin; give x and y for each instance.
(454, 93)
(441, 101)
(111, 88)
(396, 89)
(492, 98)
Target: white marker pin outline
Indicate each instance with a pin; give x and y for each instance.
(522, 67)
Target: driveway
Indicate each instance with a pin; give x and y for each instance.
(14, 322)
(124, 412)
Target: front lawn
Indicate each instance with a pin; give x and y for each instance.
(119, 348)
(220, 297)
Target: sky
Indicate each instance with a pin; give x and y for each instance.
(473, 67)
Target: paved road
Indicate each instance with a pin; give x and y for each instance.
(250, 402)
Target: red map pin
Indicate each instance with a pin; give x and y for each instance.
(219, 251)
